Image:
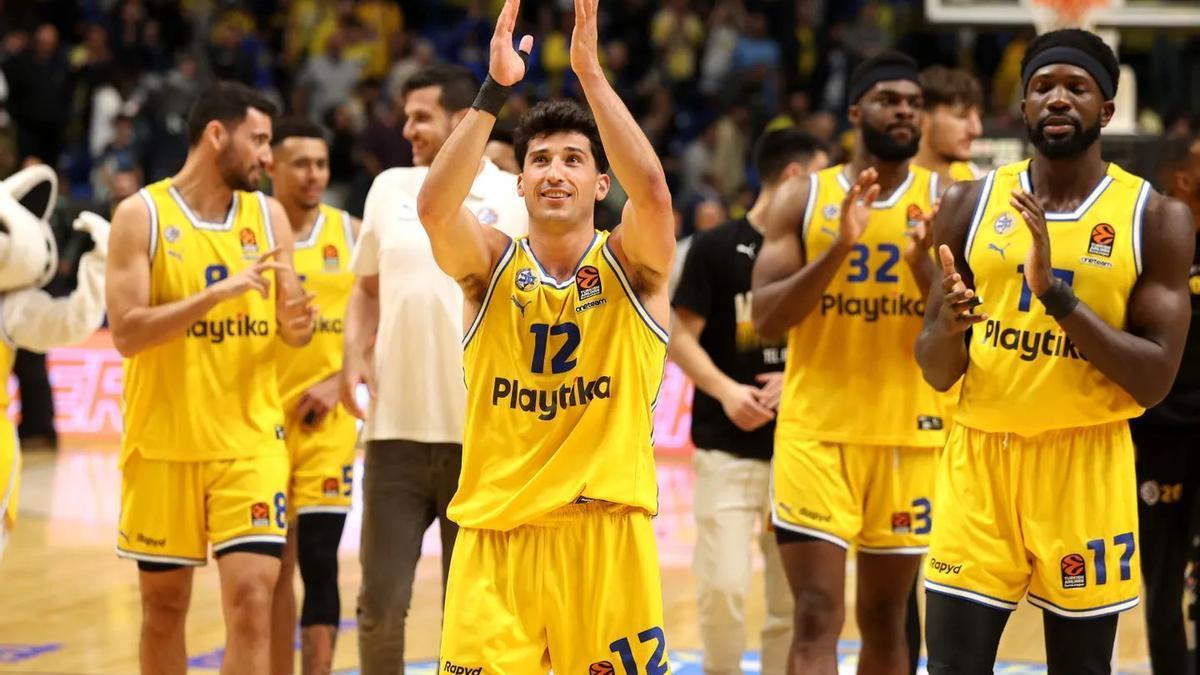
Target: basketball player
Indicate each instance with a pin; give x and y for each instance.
(950, 123)
(842, 273)
(319, 433)
(194, 309)
(1168, 474)
(738, 378)
(1082, 270)
(555, 564)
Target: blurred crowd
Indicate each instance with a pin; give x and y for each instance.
(101, 88)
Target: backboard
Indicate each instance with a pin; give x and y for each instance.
(1131, 13)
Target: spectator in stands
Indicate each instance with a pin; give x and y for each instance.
(39, 94)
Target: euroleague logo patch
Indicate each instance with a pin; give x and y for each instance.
(914, 216)
(901, 522)
(1074, 571)
(330, 255)
(260, 515)
(587, 280)
(601, 668)
(249, 241)
(330, 487)
(1101, 242)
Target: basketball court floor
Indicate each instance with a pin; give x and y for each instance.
(68, 605)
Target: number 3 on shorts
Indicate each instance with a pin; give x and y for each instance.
(656, 665)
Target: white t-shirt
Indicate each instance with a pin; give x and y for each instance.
(420, 392)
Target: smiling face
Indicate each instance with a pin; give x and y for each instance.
(889, 116)
(300, 172)
(560, 181)
(1064, 110)
(427, 124)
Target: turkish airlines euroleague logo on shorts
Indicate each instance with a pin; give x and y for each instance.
(330, 487)
(587, 280)
(601, 668)
(1074, 571)
(260, 515)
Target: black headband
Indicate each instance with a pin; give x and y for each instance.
(1075, 57)
(881, 73)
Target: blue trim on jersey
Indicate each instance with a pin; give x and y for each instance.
(313, 234)
(1101, 610)
(204, 224)
(615, 264)
(509, 254)
(1081, 210)
(348, 230)
(933, 187)
(1139, 210)
(845, 184)
(546, 278)
(980, 209)
(973, 596)
(153, 222)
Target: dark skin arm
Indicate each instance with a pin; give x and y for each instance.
(787, 286)
(1144, 357)
(941, 349)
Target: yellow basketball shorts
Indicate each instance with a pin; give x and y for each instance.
(171, 511)
(577, 591)
(10, 476)
(322, 459)
(876, 498)
(1053, 516)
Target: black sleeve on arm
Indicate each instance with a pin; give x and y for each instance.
(695, 290)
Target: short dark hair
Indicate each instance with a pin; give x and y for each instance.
(1085, 41)
(950, 86)
(225, 102)
(549, 117)
(502, 131)
(776, 149)
(296, 126)
(458, 84)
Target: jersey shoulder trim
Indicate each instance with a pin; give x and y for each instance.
(501, 265)
(1139, 211)
(611, 258)
(981, 205)
(153, 221)
(811, 205)
(268, 227)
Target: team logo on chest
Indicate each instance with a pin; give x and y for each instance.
(830, 211)
(330, 256)
(1004, 224)
(249, 243)
(526, 281)
(171, 234)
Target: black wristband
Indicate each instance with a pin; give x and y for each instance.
(492, 95)
(1059, 300)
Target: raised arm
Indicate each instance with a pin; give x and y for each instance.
(463, 248)
(646, 236)
(1144, 357)
(786, 285)
(941, 348)
(135, 324)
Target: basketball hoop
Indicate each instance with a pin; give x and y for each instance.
(1051, 15)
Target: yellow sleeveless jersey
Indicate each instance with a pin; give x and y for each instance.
(323, 262)
(962, 171)
(210, 392)
(851, 376)
(562, 379)
(1024, 374)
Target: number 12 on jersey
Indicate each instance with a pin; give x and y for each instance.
(563, 359)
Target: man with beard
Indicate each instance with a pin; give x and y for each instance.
(320, 433)
(843, 272)
(950, 123)
(196, 313)
(1082, 270)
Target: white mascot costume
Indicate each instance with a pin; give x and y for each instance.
(29, 317)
